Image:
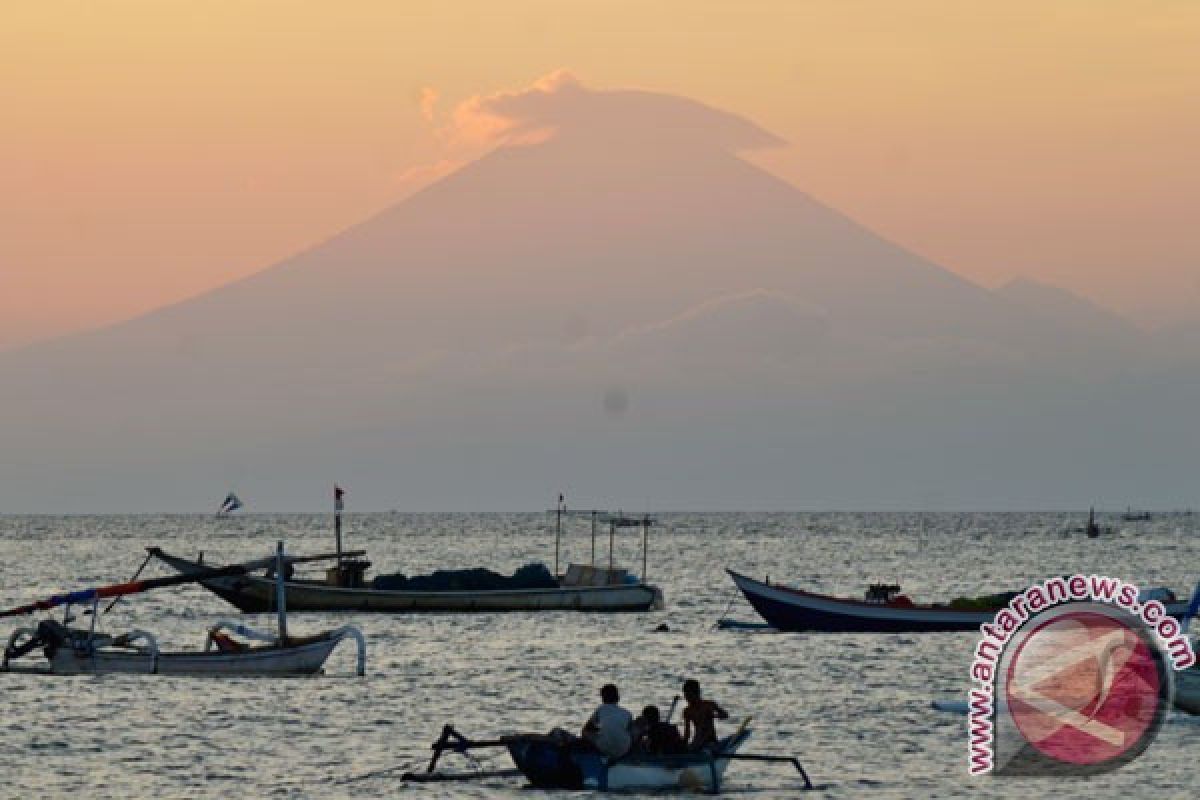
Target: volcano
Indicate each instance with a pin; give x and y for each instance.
(620, 303)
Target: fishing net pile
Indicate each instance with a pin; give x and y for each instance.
(530, 576)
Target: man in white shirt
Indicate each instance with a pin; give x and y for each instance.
(609, 727)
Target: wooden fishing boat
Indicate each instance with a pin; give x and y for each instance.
(882, 611)
(75, 651)
(582, 588)
(557, 762)
(344, 587)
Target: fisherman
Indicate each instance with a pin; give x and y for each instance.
(655, 737)
(609, 729)
(699, 717)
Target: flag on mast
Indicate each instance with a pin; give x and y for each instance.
(338, 503)
(229, 504)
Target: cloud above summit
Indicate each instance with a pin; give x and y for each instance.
(559, 104)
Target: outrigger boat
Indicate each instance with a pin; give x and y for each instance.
(75, 651)
(883, 610)
(550, 762)
(583, 587)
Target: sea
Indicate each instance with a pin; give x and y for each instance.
(855, 709)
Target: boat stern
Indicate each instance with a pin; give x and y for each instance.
(547, 764)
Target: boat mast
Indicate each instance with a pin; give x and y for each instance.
(337, 527)
(281, 593)
(612, 534)
(645, 542)
(558, 513)
(594, 538)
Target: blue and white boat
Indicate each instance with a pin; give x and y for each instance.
(560, 761)
(553, 765)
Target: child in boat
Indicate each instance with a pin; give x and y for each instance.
(655, 737)
(699, 717)
(609, 728)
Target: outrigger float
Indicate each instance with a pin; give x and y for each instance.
(549, 762)
(582, 587)
(78, 651)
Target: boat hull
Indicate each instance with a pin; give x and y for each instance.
(551, 765)
(307, 659)
(790, 609)
(1187, 690)
(255, 594)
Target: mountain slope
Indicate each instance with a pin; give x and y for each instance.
(629, 255)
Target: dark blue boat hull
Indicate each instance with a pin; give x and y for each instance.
(794, 610)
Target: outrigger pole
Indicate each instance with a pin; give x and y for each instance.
(82, 596)
(455, 742)
(795, 762)
(129, 587)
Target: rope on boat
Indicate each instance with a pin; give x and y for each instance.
(136, 575)
(732, 600)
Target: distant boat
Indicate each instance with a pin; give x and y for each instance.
(230, 504)
(883, 611)
(1092, 529)
(1136, 516)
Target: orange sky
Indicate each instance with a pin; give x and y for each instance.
(151, 150)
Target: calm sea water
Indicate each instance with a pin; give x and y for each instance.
(855, 709)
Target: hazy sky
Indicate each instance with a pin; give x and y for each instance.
(151, 150)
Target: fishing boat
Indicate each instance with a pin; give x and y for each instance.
(1131, 515)
(81, 651)
(556, 762)
(1092, 529)
(344, 586)
(882, 610)
(77, 651)
(550, 765)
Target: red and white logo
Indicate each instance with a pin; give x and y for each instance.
(1086, 687)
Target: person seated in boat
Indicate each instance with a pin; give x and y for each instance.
(699, 717)
(224, 642)
(655, 737)
(609, 729)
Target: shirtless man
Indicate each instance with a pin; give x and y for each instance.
(699, 717)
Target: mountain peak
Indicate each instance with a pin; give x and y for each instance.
(558, 105)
